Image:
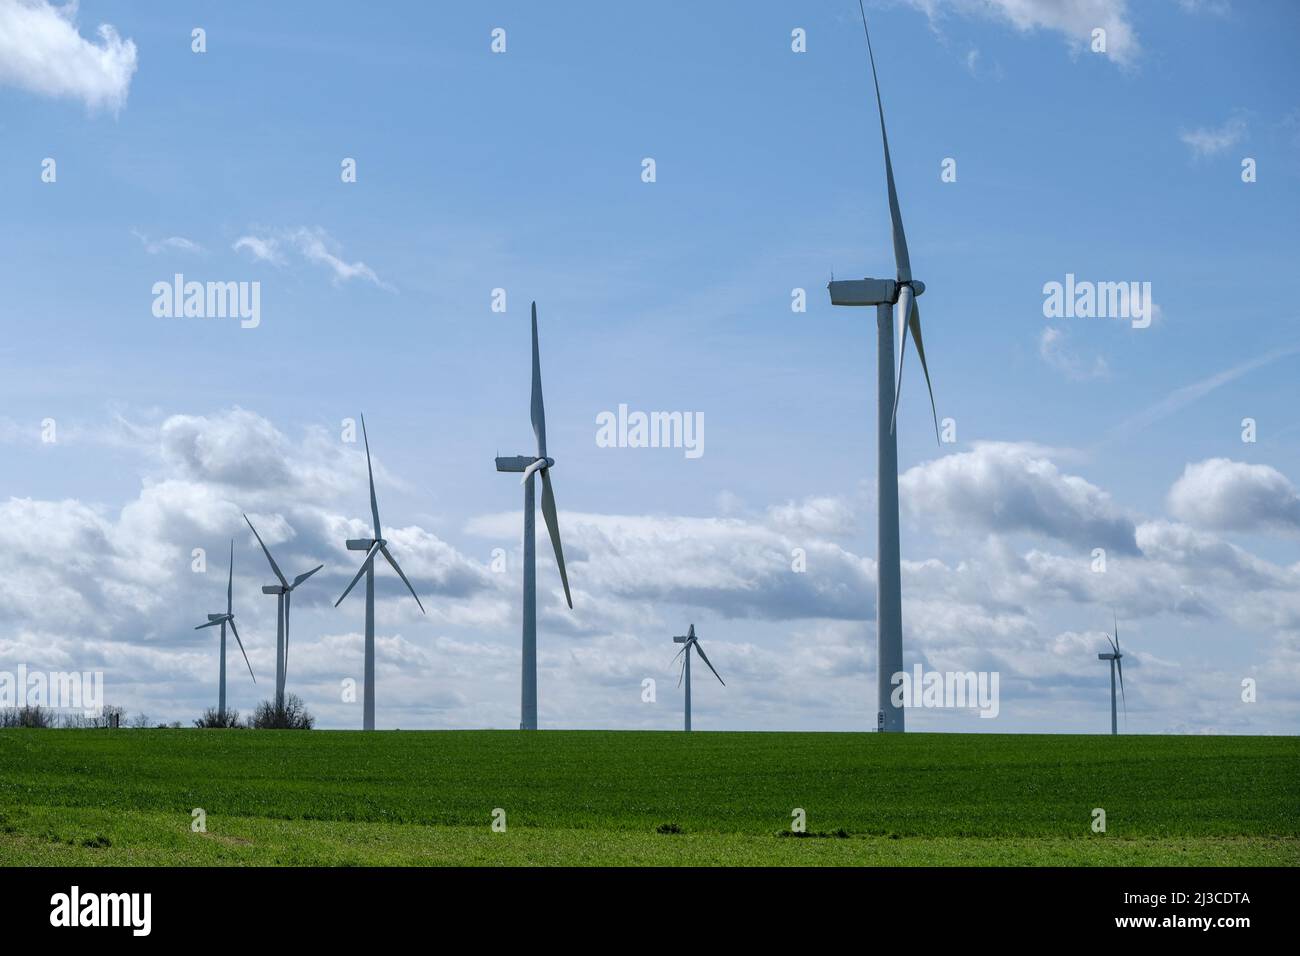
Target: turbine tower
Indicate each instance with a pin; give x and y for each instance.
(890, 297)
(1115, 658)
(372, 546)
(223, 620)
(531, 466)
(690, 640)
(284, 596)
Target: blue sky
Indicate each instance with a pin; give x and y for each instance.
(522, 171)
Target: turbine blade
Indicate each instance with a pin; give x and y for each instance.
(896, 217)
(677, 655)
(304, 576)
(370, 556)
(265, 550)
(393, 561)
(230, 581)
(242, 651)
(905, 300)
(1116, 622)
(553, 526)
(1120, 664)
(374, 504)
(705, 658)
(209, 624)
(914, 325)
(681, 671)
(538, 409)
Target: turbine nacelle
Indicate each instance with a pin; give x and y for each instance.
(274, 589)
(1109, 657)
(364, 544)
(523, 463)
(870, 291)
(219, 617)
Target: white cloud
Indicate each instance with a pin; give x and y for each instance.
(1008, 489)
(1225, 495)
(1210, 141)
(1075, 20)
(89, 586)
(313, 244)
(170, 244)
(824, 516)
(41, 51)
(264, 250)
(1054, 349)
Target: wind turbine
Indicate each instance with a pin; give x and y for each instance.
(531, 466)
(690, 640)
(284, 596)
(223, 620)
(1115, 658)
(372, 546)
(890, 297)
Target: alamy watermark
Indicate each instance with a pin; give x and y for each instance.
(53, 690)
(179, 299)
(952, 689)
(626, 429)
(1083, 299)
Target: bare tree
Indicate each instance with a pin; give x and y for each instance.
(292, 716)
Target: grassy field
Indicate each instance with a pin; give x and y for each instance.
(579, 797)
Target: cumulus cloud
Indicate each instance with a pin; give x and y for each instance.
(90, 586)
(1008, 488)
(823, 515)
(1074, 20)
(314, 245)
(41, 51)
(733, 567)
(1225, 495)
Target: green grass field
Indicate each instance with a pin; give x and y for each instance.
(594, 797)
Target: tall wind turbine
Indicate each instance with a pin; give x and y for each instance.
(690, 640)
(372, 546)
(223, 620)
(284, 596)
(890, 297)
(1115, 658)
(532, 466)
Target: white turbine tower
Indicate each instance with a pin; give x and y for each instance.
(372, 546)
(284, 596)
(222, 620)
(890, 297)
(691, 641)
(530, 466)
(1115, 657)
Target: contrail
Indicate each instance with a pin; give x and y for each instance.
(1182, 397)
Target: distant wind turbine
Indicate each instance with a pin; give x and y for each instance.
(372, 546)
(1115, 658)
(284, 595)
(691, 641)
(890, 297)
(530, 466)
(223, 620)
